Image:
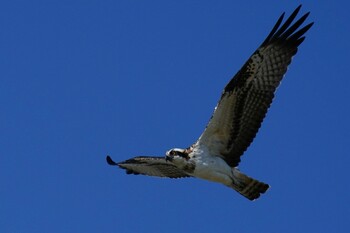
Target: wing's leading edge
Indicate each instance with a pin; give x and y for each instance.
(150, 166)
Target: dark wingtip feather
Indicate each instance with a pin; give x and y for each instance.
(110, 161)
(301, 31)
(296, 11)
(286, 31)
(274, 29)
(288, 22)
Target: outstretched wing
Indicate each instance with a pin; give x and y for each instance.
(150, 166)
(247, 97)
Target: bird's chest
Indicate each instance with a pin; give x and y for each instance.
(210, 167)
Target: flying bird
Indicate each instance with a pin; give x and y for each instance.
(236, 119)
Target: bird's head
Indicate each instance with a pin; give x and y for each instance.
(177, 155)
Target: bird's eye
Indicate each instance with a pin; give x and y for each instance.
(174, 152)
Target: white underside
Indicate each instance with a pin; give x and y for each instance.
(212, 168)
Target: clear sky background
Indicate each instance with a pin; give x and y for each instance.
(83, 79)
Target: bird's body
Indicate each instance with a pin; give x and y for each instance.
(236, 120)
(212, 168)
(205, 165)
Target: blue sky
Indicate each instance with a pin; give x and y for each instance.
(83, 79)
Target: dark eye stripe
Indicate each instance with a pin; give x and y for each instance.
(179, 153)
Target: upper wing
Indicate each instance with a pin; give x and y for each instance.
(247, 97)
(150, 166)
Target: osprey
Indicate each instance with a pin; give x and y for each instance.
(236, 119)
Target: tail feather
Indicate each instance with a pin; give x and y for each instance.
(247, 186)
